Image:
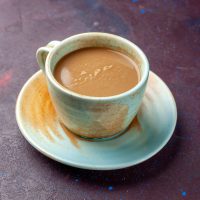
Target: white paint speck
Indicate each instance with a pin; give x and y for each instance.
(96, 23)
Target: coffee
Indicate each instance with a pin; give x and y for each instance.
(97, 72)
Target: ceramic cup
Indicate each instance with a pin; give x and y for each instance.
(87, 116)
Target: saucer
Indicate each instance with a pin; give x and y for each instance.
(147, 135)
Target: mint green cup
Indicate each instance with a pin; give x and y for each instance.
(87, 116)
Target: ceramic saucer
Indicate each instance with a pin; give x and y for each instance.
(148, 133)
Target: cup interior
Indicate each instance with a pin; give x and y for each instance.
(105, 40)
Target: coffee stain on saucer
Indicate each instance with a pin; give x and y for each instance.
(38, 110)
(73, 138)
(135, 124)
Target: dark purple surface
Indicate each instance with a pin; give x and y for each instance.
(169, 33)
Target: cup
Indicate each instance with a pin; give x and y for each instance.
(88, 116)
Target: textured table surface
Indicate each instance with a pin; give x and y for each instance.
(169, 33)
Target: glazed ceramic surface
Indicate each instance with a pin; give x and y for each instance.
(93, 117)
(148, 133)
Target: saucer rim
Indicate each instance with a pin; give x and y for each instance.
(90, 166)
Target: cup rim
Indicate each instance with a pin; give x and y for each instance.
(52, 79)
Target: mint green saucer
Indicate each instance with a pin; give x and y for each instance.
(147, 135)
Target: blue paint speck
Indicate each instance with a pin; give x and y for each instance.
(110, 188)
(134, 1)
(184, 193)
(142, 11)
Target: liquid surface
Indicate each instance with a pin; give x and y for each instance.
(97, 72)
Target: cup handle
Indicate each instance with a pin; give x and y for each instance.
(43, 52)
